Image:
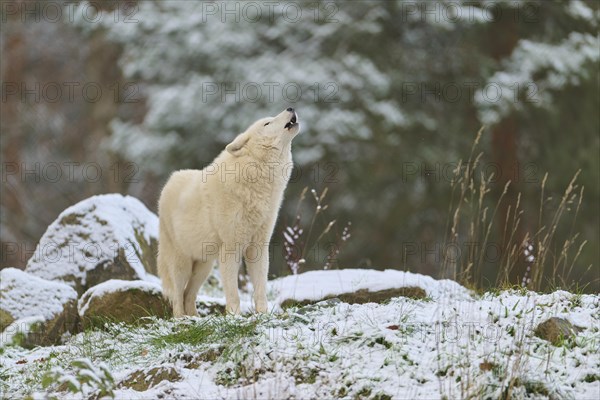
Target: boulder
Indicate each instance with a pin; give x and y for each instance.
(556, 330)
(103, 237)
(36, 311)
(358, 286)
(122, 301)
(362, 296)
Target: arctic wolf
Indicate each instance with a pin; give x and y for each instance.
(224, 213)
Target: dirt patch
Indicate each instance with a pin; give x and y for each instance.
(144, 380)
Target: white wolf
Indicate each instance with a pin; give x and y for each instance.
(225, 212)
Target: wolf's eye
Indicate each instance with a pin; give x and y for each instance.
(266, 124)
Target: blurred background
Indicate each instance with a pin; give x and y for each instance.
(114, 96)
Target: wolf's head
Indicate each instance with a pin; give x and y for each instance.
(267, 133)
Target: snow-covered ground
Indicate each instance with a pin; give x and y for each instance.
(459, 346)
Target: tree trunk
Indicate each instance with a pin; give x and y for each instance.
(504, 38)
(12, 241)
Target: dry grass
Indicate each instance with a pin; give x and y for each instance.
(537, 257)
(301, 248)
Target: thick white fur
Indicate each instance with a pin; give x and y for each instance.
(223, 213)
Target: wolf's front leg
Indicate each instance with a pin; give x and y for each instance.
(257, 263)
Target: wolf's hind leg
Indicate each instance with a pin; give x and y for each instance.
(200, 271)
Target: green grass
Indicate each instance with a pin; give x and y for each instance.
(140, 343)
(221, 329)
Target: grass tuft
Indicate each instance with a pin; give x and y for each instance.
(223, 329)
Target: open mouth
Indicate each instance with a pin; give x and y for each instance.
(293, 122)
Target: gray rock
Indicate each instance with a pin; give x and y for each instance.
(363, 296)
(35, 311)
(103, 237)
(122, 301)
(556, 330)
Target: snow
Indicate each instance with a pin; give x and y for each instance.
(135, 142)
(579, 9)
(174, 72)
(419, 349)
(26, 295)
(103, 225)
(115, 285)
(562, 64)
(315, 285)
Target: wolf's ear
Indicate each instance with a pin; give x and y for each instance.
(237, 146)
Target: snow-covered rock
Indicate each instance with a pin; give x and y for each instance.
(41, 310)
(103, 237)
(360, 286)
(122, 301)
(128, 301)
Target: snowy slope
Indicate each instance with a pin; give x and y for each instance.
(454, 347)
